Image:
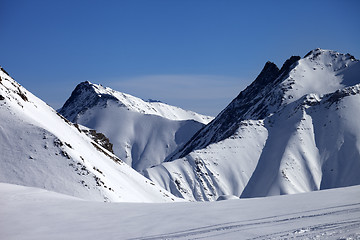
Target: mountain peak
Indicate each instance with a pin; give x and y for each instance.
(319, 51)
(274, 88)
(87, 95)
(96, 88)
(41, 149)
(267, 74)
(322, 54)
(286, 67)
(291, 130)
(270, 65)
(314, 52)
(84, 96)
(271, 72)
(143, 133)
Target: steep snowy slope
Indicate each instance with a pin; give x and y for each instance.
(41, 149)
(292, 130)
(143, 133)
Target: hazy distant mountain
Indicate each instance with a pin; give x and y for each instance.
(294, 129)
(143, 133)
(39, 148)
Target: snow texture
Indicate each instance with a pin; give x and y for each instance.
(143, 133)
(40, 148)
(293, 130)
(31, 213)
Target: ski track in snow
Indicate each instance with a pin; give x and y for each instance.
(33, 213)
(331, 229)
(316, 117)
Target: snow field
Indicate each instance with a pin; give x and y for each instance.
(30, 213)
(41, 149)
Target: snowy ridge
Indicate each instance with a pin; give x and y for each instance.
(320, 72)
(258, 100)
(292, 130)
(39, 148)
(143, 133)
(87, 95)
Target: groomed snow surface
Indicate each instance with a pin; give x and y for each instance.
(32, 213)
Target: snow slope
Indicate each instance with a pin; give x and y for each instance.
(41, 149)
(143, 133)
(293, 130)
(87, 94)
(31, 213)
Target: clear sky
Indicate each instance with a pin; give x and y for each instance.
(194, 54)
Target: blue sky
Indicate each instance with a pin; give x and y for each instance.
(194, 54)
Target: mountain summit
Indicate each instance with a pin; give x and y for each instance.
(320, 72)
(39, 148)
(292, 130)
(143, 133)
(87, 95)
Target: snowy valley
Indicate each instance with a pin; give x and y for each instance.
(292, 132)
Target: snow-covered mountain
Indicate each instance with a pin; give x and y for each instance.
(143, 133)
(294, 129)
(40, 148)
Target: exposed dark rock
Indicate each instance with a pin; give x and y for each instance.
(100, 139)
(341, 93)
(63, 118)
(82, 98)
(153, 100)
(2, 69)
(112, 156)
(22, 95)
(285, 69)
(308, 54)
(58, 142)
(255, 102)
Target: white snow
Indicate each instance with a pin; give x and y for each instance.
(143, 133)
(323, 71)
(141, 140)
(31, 213)
(310, 142)
(41, 149)
(223, 168)
(154, 108)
